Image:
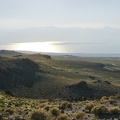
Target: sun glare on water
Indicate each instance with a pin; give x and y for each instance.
(37, 46)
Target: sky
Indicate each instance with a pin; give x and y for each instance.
(84, 26)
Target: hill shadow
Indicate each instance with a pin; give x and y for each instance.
(17, 72)
(92, 91)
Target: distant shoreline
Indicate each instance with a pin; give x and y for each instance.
(111, 55)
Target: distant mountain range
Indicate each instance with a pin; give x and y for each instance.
(85, 54)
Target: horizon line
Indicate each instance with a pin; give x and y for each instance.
(55, 52)
(66, 27)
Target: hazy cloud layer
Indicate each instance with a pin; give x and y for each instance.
(74, 35)
(105, 40)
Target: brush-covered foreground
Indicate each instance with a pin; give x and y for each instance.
(12, 108)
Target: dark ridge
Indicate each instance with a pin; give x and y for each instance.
(40, 56)
(46, 56)
(17, 72)
(9, 52)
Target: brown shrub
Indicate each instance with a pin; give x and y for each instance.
(62, 117)
(114, 110)
(99, 109)
(89, 106)
(55, 111)
(39, 115)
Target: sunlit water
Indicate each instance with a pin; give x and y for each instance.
(35, 46)
(64, 47)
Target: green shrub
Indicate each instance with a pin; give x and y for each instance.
(39, 115)
(62, 117)
(114, 110)
(99, 109)
(55, 111)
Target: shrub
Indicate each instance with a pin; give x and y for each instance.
(42, 105)
(9, 110)
(112, 101)
(55, 111)
(99, 109)
(89, 106)
(66, 105)
(112, 97)
(62, 117)
(104, 98)
(96, 118)
(114, 110)
(47, 108)
(79, 115)
(39, 115)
